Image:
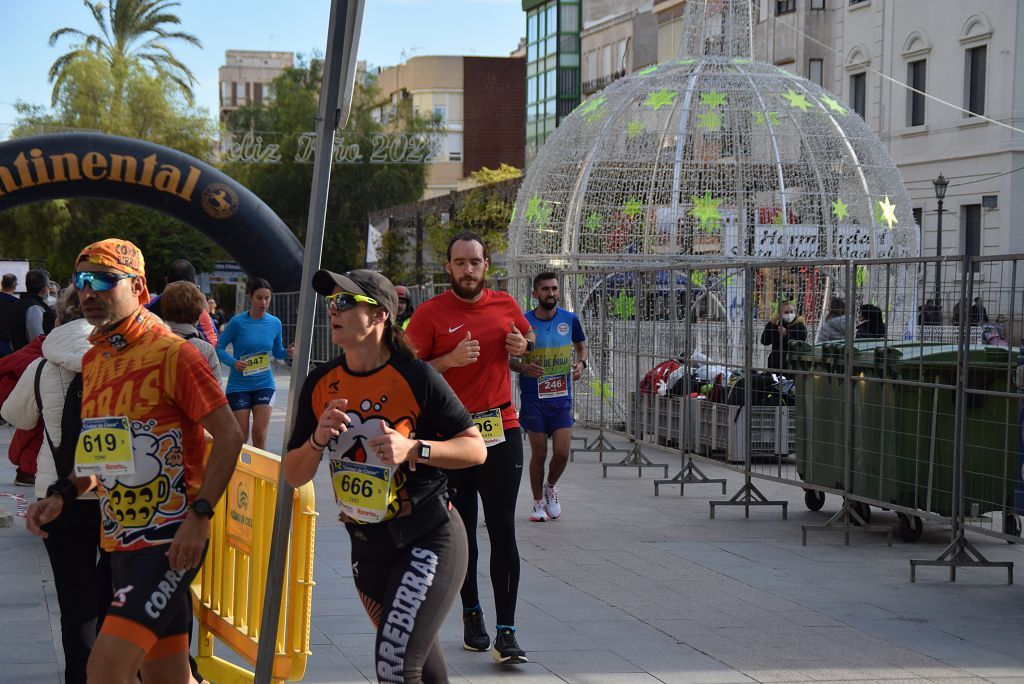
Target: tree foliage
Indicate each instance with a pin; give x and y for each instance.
(485, 213)
(150, 108)
(356, 189)
(132, 34)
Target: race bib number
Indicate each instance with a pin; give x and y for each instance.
(552, 386)
(362, 490)
(489, 424)
(104, 447)
(256, 363)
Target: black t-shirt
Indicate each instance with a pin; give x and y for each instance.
(407, 394)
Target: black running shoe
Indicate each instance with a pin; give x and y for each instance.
(506, 649)
(474, 631)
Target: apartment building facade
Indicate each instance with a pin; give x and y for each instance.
(478, 104)
(619, 37)
(247, 77)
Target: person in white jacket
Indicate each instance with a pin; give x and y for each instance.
(81, 569)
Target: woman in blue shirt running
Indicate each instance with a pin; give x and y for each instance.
(254, 337)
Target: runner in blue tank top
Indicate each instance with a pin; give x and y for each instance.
(255, 337)
(545, 376)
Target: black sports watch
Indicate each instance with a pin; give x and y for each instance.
(65, 489)
(529, 345)
(424, 455)
(202, 507)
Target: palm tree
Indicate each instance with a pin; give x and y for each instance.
(132, 32)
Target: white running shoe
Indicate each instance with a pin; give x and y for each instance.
(551, 505)
(538, 514)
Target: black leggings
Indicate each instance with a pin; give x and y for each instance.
(81, 575)
(497, 482)
(407, 593)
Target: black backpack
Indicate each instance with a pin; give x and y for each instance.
(70, 424)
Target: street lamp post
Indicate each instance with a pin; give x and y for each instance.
(940, 184)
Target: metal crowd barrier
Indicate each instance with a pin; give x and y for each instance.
(227, 593)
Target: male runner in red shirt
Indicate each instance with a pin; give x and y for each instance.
(468, 334)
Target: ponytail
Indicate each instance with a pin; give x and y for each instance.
(397, 342)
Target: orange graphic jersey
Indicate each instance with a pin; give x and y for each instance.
(163, 385)
(408, 395)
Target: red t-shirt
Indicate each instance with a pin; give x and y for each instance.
(438, 326)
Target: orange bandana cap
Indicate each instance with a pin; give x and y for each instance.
(119, 254)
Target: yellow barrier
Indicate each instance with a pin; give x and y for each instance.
(228, 592)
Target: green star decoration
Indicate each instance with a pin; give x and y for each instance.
(660, 98)
(686, 61)
(593, 222)
(623, 305)
(761, 118)
(513, 213)
(705, 210)
(710, 121)
(862, 276)
(593, 109)
(633, 207)
(635, 128)
(601, 389)
(538, 212)
(834, 105)
(839, 209)
(796, 100)
(713, 98)
(649, 70)
(740, 60)
(698, 278)
(888, 210)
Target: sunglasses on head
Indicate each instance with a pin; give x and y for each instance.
(99, 281)
(343, 301)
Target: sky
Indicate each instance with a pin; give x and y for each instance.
(390, 29)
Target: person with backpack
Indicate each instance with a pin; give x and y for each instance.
(51, 388)
(786, 325)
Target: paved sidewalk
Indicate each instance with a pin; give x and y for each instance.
(629, 587)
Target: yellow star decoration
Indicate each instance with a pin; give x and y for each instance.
(593, 109)
(713, 98)
(839, 209)
(686, 61)
(764, 118)
(538, 212)
(649, 70)
(834, 105)
(593, 222)
(660, 98)
(797, 100)
(888, 212)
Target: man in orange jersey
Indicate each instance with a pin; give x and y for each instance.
(147, 395)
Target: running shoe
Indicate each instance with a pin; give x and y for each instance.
(539, 512)
(474, 631)
(551, 504)
(506, 649)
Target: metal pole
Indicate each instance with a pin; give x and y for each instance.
(328, 116)
(938, 263)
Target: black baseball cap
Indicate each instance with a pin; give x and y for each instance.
(360, 281)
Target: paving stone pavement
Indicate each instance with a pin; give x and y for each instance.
(629, 587)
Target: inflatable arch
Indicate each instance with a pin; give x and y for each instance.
(64, 165)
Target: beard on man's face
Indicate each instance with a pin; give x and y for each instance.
(548, 303)
(467, 287)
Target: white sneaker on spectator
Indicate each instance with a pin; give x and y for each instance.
(551, 505)
(539, 514)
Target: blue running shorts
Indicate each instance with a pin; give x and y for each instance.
(546, 415)
(241, 401)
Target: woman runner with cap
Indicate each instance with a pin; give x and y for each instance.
(389, 423)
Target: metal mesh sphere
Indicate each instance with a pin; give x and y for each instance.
(709, 158)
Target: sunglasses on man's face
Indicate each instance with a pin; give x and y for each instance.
(99, 281)
(343, 301)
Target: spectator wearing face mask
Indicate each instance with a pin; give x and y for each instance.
(783, 327)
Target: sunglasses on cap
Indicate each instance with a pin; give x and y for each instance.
(99, 281)
(343, 301)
